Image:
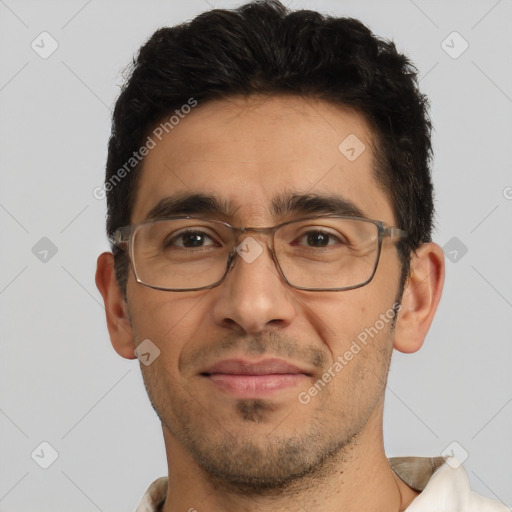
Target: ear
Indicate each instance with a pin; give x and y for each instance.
(421, 297)
(118, 318)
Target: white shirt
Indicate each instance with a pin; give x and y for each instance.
(444, 487)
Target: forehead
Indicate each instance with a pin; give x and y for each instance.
(246, 152)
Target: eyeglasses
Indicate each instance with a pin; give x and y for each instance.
(324, 253)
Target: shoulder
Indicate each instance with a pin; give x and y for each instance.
(443, 484)
(154, 497)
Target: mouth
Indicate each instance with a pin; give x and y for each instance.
(246, 379)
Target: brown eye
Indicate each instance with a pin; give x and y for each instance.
(190, 240)
(318, 239)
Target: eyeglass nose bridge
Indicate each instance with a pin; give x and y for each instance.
(253, 248)
(243, 230)
(268, 232)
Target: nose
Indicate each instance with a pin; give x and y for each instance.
(254, 297)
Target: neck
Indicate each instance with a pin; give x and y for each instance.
(358, 479)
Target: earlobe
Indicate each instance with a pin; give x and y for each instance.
(118, 319)
(421, 297)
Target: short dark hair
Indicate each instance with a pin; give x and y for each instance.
(264, 48)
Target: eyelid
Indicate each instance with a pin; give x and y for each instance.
(172, 237)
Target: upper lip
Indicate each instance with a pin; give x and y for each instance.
(264, 367)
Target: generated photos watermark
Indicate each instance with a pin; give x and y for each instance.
(152, 140)
(342, 361)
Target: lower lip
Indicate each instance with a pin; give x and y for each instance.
(253, 386)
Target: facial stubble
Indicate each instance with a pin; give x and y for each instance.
(247, 457)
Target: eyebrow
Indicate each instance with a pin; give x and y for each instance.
(190, 204)
(315, 204)
(282, 205)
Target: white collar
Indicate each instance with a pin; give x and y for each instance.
(444, 487)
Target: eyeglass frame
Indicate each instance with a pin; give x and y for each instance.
(123, 236)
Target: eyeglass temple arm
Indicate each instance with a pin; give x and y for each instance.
(118, 238)
(395, 233)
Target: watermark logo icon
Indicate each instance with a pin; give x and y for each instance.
(249, 249)
(44, 45)
(454, 45)
(454, 249)
(44, 455)
(352, 147)
(44, 250)
(455, 455)
(146, 352)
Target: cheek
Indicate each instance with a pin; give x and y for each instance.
(169, 320)
(340, 317)
(354, 382)
(356, 328)
(363, 313)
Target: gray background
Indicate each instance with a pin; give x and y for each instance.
(61, 381)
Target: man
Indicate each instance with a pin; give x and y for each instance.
(270, 212)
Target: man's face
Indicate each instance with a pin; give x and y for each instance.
(261, 432)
